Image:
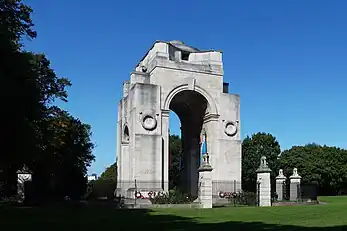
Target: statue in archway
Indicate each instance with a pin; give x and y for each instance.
(203, 146)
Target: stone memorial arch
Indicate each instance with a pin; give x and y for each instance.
(188, 81)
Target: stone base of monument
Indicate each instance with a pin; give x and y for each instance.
(140, 196)
(129, 201)
(152, 206)
(205, 186)
(293, 203)
(130, 193)
(217, 201)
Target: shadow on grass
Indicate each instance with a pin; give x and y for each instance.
(100, 218)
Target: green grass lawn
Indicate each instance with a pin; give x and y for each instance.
(331, 216)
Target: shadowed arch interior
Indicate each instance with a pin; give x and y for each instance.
(126, 136)
(190, 107)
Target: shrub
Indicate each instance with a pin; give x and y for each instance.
(172, 197)
(101, 189)
(13, 200)
(244, 198)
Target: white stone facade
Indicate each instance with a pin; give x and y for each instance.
(173, 76)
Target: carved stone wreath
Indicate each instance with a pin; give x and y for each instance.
(230, 128)
(149, 122)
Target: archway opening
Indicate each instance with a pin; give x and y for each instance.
(175, 150)
(190, 108)
(126, 136)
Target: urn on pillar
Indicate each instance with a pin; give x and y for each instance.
(280, 184)
(295, 190)
(23, 176)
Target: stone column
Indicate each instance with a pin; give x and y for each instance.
(295, 181)
(280, 181)
(193, 162)
(185, 164)
(165, 146)
(118, 151)
(22, 177)
(205, 183)
(264, 183)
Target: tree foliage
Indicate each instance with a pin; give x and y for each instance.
(253, 148)
(52, 144)
(15, 23)
(56, 147)
(175, 150)
(66, 153)
(105, 185)
(322, 164)
(110, 173)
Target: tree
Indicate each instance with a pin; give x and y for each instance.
(15, 77)
(175, 152)
(110, 173)
(106, 184)
(34, 86)
(322, 164)
(14, 24)
(55, 146)
(72, 152)
(61, 165)
(253, 148)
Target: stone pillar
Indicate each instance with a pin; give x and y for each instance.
(264, 183)
(165, 146)
(193, 174)
(295, 181)
(205, 183)
(280, 181)
(22, 177)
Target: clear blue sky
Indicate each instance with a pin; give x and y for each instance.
(287, 59)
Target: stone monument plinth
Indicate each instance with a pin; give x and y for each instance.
(295, 181)
(205, 183)
(264, 183)
(22, 176)
(280, 182)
